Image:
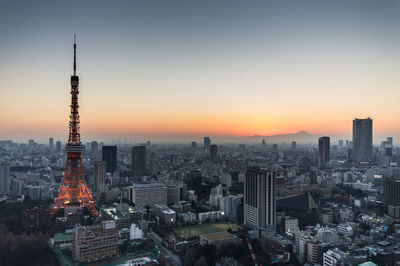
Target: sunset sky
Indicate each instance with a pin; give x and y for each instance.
(180, 70)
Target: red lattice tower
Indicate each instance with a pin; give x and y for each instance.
(74, 192)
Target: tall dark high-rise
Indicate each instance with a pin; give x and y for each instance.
(263, 143)
(391, 192)
(74, 192)
(5, 178)
(362, 140)
(207, 144)
(51, 143)
(294, 145)
(213, 152)
(260, 199)
(324, 145)
(139, 160)
(194, 145)
(58, 146)
(109, 155)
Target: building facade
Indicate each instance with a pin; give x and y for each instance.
(139, 158)
(5, 177)
(260, 199)
(91, 243)
(324, 151)
(99, 176)
(109, 155)
(362, 140)
(148, 194)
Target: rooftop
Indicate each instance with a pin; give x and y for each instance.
(145, 186)
(218, 236)
(62, 237)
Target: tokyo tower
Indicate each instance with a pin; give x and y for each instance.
(74, 192)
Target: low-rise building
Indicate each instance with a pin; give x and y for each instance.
(167, 216)
(219, 239)
(91, 243)
(62, 240)
(122, 214)
(211, 216)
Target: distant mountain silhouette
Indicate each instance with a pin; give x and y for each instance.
(299, 137)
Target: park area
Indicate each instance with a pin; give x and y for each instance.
(190, 231)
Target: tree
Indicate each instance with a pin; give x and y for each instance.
(209, 252)
(201, 262)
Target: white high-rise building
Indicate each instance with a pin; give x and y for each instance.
(99, 176)
(260, 199)
(5, 178)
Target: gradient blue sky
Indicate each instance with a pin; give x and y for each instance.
(178, 70)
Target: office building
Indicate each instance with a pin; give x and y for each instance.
(139, 159)
(17, 187)
(264, 143)
(5, 177)
(99, 176)
(165, 214)
(340, 143)
(219, 239)
(194, 145)
(213, 153)
(148, 194)
(51, 143)
(391, 191)
(122, 214)
(109, 155)
(95, 242)
(260, 199)
(294, 145)
(334, 257)
(324, 151)
(58, 146)
(94, 150)
(207, 144)
(362, 140)
(174, 194)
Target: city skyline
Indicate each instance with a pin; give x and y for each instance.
(181, 71)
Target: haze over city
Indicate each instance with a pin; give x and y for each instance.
(199, 133)
(179, 70)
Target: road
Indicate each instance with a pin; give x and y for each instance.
(167, 253)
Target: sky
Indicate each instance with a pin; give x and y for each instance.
(179, 70)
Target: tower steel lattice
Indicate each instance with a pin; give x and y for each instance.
(74, 192)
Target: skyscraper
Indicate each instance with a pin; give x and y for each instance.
(51, 143)
(260, 199)
(391, 191)
(324, 151)
(340, 143)
(213, 153)
(58, 146)
(74, 192)
(362, 140)
(294, 145)
(94, 150)
(264, 143)
(139, 159)
(99, 176)
(194, 145)
(109, 155)
(207, 144)
(5, 178)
